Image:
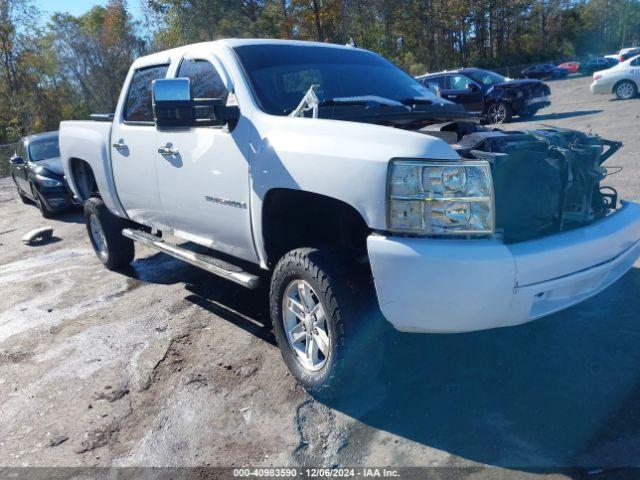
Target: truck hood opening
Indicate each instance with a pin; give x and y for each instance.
(546, 181)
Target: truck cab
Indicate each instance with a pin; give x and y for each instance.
(350, 191)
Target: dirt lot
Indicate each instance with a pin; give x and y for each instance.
(165, 365)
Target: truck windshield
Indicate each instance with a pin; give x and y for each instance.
(280, 75)
(43, 149)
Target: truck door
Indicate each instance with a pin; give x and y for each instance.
(133, 152)
(204, 179)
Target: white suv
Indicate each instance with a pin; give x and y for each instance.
(623, 80)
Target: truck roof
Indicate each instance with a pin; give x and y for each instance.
(167, 55)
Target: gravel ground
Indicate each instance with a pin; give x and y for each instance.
(164, 365)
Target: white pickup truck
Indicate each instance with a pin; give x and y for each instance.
(325, 172)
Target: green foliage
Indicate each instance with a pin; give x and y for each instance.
(73, 66)
(66, 69)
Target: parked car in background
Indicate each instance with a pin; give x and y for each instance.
(571, 67)
(489, 94)
(627, 53)
(544, 71)
(37, 172)
(623, 80)
(596, 64)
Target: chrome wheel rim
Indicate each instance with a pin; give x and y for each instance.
(97, 236)
(625, 91)
(305, 325)
(497, 113)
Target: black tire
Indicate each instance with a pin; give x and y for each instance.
(40, 203)
(341, 287)
(504, 117)
(625, 90)
(117, 251)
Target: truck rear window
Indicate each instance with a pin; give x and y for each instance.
(139, 107)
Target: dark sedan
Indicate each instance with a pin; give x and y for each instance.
(545, 71)
(596, 64)
(489, 94)
(36, 170)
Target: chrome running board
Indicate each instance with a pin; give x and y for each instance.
(206, 262)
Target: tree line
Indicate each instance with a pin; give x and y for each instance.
(62, 66)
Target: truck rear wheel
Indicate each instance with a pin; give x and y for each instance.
(318, 301)
(105, 233)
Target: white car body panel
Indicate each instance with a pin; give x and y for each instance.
(481, 284)
(135, 172)
(423, 285)
(607, 79)
(194, 187)
(264, 153)
(90, 141)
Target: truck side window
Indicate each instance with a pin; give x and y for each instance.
(139, 107)
(205, 81)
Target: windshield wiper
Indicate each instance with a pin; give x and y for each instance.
(360, 100)
(311, 102)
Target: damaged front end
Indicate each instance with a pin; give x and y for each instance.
(545, 181)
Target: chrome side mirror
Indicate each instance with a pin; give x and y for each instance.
(16, 160)
(173, 106)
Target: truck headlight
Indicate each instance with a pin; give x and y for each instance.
(440, 198)
(48, 182)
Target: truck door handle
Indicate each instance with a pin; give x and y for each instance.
(120, 145)
(168, 150)
(451, 96)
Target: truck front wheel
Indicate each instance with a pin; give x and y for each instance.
(317, 300)
(105, 233)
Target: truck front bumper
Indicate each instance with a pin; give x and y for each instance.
(444, 286)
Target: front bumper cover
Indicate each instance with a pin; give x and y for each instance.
(601, 88)
(444, 286)
(57, 198)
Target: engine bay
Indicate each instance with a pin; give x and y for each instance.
(546, 181)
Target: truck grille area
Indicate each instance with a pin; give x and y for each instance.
(545, 181)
